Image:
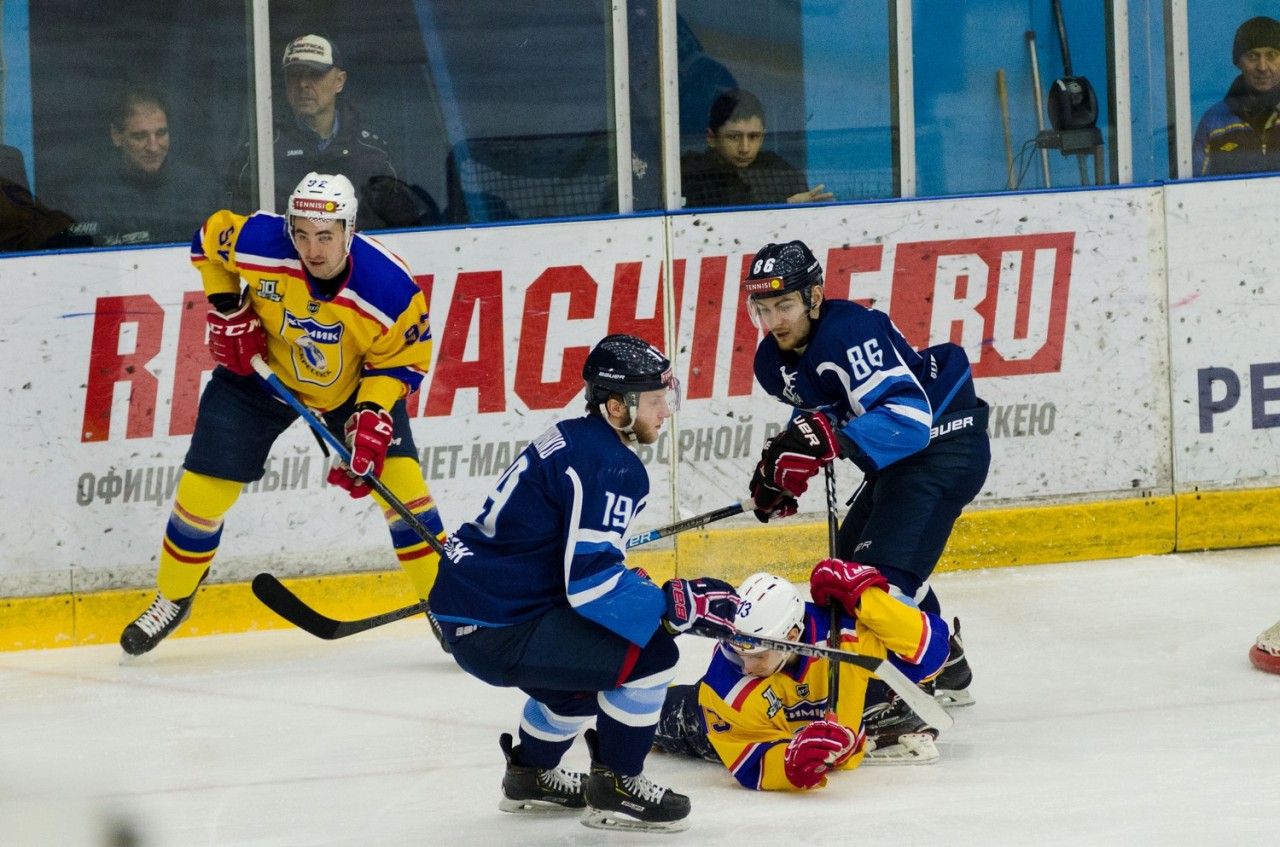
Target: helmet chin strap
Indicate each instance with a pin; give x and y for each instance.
(627, 430)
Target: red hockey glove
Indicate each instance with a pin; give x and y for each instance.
(792, 457)
(844, 582)
(368, 434)
(710, 604)
(235, 338)
(817, 748)
(769, 501)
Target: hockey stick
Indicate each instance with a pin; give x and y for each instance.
(833, 635)
(279, 599)
(289, 606)
(688, 523)
(264, 371)
(920, 701)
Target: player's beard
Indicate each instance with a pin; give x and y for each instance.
(645, 433)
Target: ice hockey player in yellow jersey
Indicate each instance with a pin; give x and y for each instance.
(341, 321)
(764, 713)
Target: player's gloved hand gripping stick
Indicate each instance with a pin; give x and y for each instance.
(264, 371)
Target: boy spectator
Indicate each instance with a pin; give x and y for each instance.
(733, 170)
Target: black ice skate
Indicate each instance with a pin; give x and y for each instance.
(951, 686)
(529, 789)
(162, 617)
(897, 736)
(619, 802)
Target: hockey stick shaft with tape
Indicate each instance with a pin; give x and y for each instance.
(694, 522)
(264, 371)
(920, 701)
(836, 621)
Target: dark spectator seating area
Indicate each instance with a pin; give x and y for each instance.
(530, 176)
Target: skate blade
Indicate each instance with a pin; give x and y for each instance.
(953, 699)
(913, 748)
(535, 807)
(612, 821)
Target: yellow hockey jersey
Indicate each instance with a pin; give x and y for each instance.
(750, 720)
(372, 336)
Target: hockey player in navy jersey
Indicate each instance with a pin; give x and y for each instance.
(911, 421)
(535, 593)
(341, 322)
(765, 715)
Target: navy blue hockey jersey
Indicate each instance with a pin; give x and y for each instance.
(857, 366)
(552, 533)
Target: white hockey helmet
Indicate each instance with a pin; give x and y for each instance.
(325, 197)
(770, 607)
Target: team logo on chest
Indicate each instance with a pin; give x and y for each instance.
(267, 290)
(317, 348)
(789, 386)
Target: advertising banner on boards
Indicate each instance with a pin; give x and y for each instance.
(1057, 299)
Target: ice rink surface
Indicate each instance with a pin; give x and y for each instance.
(1115, 706)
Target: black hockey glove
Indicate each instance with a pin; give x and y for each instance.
(769, 501)
(794, 456)
(710, 604)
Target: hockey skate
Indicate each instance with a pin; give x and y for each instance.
(897, 736)
(529, 789)
(162, 617)
(618, 802)
(951, 686)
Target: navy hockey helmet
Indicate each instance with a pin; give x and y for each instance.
(627, 366)
(780, 268)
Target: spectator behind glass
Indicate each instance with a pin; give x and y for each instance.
(143, 195)
(25, 222)
(733, 170)
(325, 134)
(1237, 135)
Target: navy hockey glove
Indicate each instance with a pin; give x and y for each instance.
(769, 501)
(792, 457)
(843, 582)
(816, 749)
(710, 604)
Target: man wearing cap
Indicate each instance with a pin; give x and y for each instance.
(325, 134)
(1238, 134)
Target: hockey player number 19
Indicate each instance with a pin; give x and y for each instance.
(618, 511)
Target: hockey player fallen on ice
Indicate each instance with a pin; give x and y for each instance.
(340, 320)
(534, 593)
(763, 713)
(911, 422)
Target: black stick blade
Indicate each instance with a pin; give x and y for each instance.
(286, 604)
(289, 606)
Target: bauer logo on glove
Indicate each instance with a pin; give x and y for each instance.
(792, 457)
